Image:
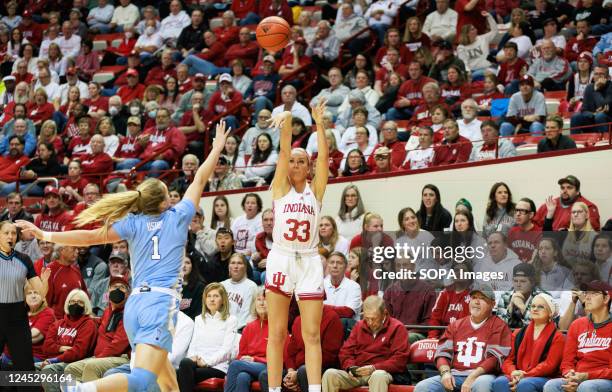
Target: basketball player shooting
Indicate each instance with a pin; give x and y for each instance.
(294, 265)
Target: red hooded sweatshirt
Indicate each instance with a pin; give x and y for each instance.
(588, 349)
(160, 139)
(63, 279)
(254, 340)
(112, 341)
(332, 334)
(449, 306)
(561, 219)
(78, 333)
(387, 350)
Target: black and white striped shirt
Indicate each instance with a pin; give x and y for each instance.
(15, 269)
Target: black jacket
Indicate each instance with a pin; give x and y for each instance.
(563, 143)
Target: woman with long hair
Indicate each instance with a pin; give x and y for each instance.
(354, 267)
(48, 134)
(263, 161)
(329, 238)
(170, 95)
(500, 210)
(536, 352)
(212, 342)
(231, 152)
(156, 236)
(335, 155)
(414, 37)
(551, 268)
(193, 287)
(106, 128)
(473, 49)
(356, 163)
(410, 231)
(294, 264)
(433, 217)
(578, 82)
(73, 98)
(464, 232)
(578, 238)
(350, 214)
(299, 133)
(221, 214)
(456, 89)
(251, 359)
(601, 255)
(45, 164)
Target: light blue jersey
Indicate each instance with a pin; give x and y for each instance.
(157, 244)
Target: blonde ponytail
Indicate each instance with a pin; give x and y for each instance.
(146, 199)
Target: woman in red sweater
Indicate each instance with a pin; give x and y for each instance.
(72, 338)
(251, 360)
(536, 350)
(41, 109)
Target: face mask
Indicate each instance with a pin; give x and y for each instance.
(149, 30)
(152, 113)
(134, 110)
(75, 310)
(113, 110)
(116, 296)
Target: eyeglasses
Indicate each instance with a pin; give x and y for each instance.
(577, 212)
(76, 302)
(264, 117)
(538, 307)
(381, 157)
(520, 211)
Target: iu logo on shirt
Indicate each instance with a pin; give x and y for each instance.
(278, 279)
(466, 354)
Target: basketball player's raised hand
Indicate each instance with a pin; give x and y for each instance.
(220, 136)
(319, 111)
(279, 120)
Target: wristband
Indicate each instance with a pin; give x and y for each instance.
(47, 236)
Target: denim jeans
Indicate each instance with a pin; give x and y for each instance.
(301, 373)
(527, 384)
(250, 18)
(507, 129)
(597, 385)
(434, 384)
(241, 374)
(197, 65)
(398, 114)
(589, 118)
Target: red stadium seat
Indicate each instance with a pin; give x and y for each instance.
(212, 384)
(586, 139)
(555, 94)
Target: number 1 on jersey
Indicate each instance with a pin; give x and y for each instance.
(155, 255)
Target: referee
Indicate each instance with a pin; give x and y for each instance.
(15, 270)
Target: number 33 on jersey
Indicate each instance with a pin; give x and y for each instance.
(296, 217)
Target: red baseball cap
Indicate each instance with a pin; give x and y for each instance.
(50, 189)
(526, 79)
(132, 72)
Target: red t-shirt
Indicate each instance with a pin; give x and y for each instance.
(524, 243)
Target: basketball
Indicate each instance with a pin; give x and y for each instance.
(273, 33)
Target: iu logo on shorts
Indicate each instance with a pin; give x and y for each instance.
(278, 279)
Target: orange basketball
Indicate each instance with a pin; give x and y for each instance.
(273, 33)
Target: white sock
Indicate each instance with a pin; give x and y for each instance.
(314, 388)
(274, 389)
(87, 387)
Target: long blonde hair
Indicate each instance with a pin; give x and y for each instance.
(587, 224)
(146, 199)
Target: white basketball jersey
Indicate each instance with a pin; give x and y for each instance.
(296, 220)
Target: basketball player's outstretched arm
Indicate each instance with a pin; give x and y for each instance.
(319, 183)
(194, 191)
(280, 184)
(106, 235)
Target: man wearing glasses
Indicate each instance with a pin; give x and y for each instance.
(390, 141)
(524, 236)
(588, 348)
(561, 214)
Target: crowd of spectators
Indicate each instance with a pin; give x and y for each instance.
(553, 261)
(446, 88)
(440, 75)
